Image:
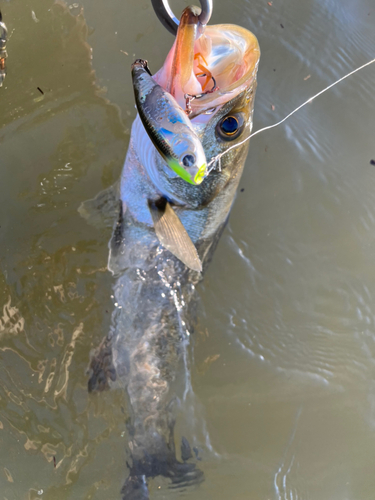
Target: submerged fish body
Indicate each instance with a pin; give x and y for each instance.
(154, 291)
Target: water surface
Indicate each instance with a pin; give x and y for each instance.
(283, 360)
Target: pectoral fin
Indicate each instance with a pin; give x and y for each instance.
(172, 234)
(102, 210)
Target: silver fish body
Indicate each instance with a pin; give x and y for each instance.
(155, 293)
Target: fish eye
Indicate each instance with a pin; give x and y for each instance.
(188, 160)
(230, 127)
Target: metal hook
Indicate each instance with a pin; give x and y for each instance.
(170, 21)
(189, 97)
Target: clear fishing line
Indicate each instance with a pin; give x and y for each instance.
(218, 157)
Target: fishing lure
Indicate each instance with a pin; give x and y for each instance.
(3, 52)
(168, 126)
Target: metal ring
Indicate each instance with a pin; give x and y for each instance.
(3, 36)
(170, 21)
(3, 31)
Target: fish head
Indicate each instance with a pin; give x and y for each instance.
(218, 64)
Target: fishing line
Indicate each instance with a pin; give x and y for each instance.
(218, 157)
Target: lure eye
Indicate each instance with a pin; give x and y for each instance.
(188, 160)
(230, 127)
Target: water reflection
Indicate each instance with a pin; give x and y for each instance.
(53, 285)
(284, 356)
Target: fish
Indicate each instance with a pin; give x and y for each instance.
(154, 291)
(168, 126)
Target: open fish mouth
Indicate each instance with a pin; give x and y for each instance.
(214, 63)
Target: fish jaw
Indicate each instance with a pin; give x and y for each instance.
(228, 53)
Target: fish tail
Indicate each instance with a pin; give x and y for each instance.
(135, 488)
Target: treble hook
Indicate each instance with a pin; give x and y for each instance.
(190, 97)
(170, 21)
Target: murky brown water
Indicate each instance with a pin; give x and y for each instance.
(284, 357)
